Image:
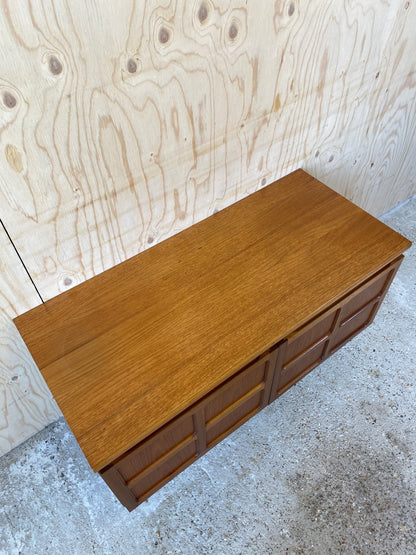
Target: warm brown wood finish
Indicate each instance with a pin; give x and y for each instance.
(313, 343)
(111, 140)
(179, 319)
(128, 351)
(157, 459)
(147, 467)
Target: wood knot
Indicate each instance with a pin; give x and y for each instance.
(233, 31)
(9, 100)
(291, 9)
(131, 66)
(263, 182)
(203, 12)
(55, 65)
(164, 35)
(14, 158)
(331, 158)
(277, 103)
(67, 281)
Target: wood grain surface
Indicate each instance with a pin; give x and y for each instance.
(26, 404)
(121, 124)
(124, 123)
(128, 350)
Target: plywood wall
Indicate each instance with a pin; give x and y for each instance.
(26, 404)
(122, 123)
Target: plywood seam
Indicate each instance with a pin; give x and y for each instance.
(21, 259)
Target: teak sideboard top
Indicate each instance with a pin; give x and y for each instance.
(126, 351)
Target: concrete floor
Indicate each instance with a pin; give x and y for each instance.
(328, 468)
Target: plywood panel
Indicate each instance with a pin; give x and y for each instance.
(123, 123)
(26, 405)
(373, 158)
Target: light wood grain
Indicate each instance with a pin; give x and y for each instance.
(26, 404)
(374, 164)
(121, 124)
(128, 350)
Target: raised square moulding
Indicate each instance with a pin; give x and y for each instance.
(156, 360)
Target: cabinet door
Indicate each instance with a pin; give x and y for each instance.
(310, 345)
(235, 402)
(302, 351)
(157, 459)
(360, 308)
(149, 465)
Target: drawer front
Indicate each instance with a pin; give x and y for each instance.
(301, 365)
(302, 351)
(147, 467)
(314, 342)
(232, 404)
(365, 295)
(301, 342)
(152, 463)
(353, 325)
(360, 308)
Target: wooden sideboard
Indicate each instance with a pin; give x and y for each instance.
(159, 358)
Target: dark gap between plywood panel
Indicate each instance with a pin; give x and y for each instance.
(21, 259)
